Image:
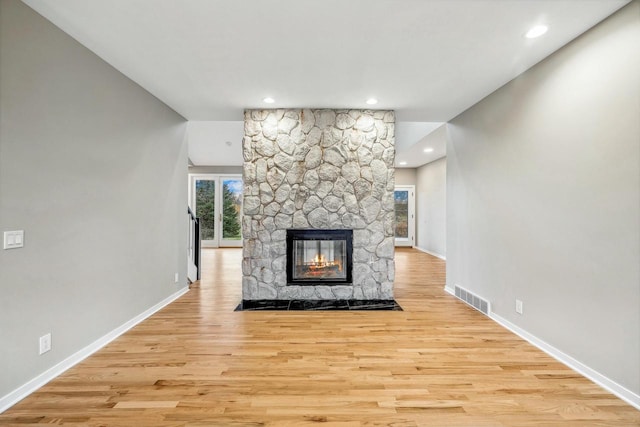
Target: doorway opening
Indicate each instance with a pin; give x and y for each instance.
(217, 201)
(404, 199)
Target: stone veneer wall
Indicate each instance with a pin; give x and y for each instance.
(319, 169)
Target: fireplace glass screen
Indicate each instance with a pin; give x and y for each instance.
(319, 256)
(319, 259)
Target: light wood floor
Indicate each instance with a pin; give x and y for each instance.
(438, 363)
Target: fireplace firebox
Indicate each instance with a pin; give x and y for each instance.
(319, 257)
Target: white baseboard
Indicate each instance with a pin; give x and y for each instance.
(628, 396)
(435, 254)
(23, 391)
(449, 290)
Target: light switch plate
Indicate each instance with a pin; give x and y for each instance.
(13, 239)
(45, 343)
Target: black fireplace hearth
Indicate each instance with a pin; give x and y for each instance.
(318, 305)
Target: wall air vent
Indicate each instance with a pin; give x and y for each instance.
(480, 304)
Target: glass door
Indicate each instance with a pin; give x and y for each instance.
(404, 198)
(231, 212)
(217, 201)
(203, 204)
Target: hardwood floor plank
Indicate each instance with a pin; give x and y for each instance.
(138, 404)
(437, 363)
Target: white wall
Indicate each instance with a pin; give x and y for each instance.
(94, 169)
(431, 207)
(237, 170)
(405, 176)
(543, 199)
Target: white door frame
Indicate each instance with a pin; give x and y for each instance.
(411, 219)
(218, 178)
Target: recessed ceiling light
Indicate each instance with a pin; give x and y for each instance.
(536, 31)
(372, 101)
(428, 150)
(268, 100)
(402, 163)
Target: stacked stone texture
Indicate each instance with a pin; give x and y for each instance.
(318, 169)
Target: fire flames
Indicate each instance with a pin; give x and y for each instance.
(319, 259)
(319, 264)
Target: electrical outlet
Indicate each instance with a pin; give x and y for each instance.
(518, 306)
(176, 278)
(45, 343)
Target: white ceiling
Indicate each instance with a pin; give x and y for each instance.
(411, 140)
(415, 156)
(428, 60)
(216, 143)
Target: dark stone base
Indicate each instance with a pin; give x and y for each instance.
(284, 305)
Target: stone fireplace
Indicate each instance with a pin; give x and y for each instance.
(319, 182)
